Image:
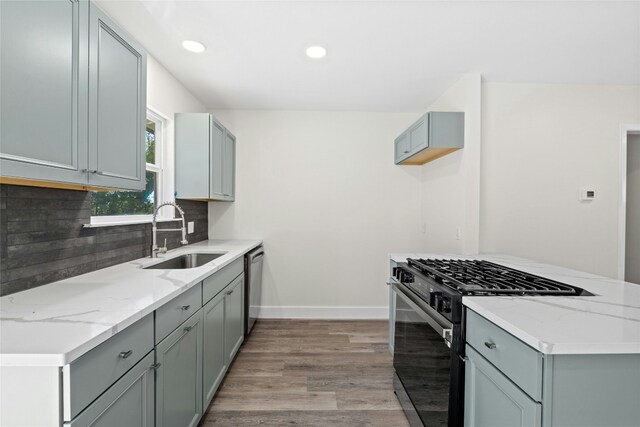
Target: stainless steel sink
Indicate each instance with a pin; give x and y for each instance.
(185, 261)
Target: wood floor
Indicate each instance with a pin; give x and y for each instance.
(310, 373)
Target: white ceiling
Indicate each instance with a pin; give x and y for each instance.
(383, 55)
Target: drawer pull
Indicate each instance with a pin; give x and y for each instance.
(188, 328)
(230, 292)
(125, 354)
(490, 345)
(155, 366)
(185, 307)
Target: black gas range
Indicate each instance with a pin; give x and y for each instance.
(429, 329)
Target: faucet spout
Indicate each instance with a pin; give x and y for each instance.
(154, 229)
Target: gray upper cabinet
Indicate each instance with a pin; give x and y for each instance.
(179, 376)
(205, 158)
(117, 106)
(218, 145)
(73, 96)
(42, 91)
(434, 135)
(229, 166)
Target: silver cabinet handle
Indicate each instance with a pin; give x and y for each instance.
(155, 366)
(230, 292)
(89, 171)
(490, 345)
(125, 354)
(185, 307)
(188, 328)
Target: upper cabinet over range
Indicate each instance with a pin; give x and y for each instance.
(73, 97)
(434, 135)
(205, 158)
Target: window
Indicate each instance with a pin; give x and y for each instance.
(138, 206)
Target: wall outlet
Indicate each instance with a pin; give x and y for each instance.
(190, 226)
(458, 233)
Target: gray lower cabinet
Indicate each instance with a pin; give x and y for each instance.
(179, 375)
(72, 95)
(215, 362)
(129, 402)
(223, 334)
(491, 400)
(234, 318)
(508, 383)
(205, 158)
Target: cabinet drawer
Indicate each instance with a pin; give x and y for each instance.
(213, 284)
(172, 314)
(91, 374)
(519, 362)
(129, 402)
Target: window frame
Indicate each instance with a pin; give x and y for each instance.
(163, 168)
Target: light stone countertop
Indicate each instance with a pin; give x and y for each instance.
(607, 323)
(54, 324)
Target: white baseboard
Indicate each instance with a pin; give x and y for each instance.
(292, 312)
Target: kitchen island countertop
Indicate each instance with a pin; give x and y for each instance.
(54, 324)
(606, 323)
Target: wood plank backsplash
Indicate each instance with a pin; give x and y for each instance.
(42, 238)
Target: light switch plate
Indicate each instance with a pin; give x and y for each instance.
(190, 226)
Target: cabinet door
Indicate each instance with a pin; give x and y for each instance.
(117, 106)
(492, 400)
(129, 402)
(179, 377)
(42, 92)
(229, 166)
(419, 135)
(193, 134)
(214, 360)
(234, 317)
(217, 160)
(402, 147)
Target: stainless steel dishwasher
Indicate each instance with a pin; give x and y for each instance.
(253, 276)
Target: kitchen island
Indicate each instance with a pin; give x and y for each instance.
(550, 360)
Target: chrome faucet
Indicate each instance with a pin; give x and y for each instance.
(155, 250)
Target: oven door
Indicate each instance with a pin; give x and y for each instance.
(422, 359)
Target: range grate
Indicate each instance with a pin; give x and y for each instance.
(476, 277)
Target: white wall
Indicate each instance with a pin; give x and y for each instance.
(167, 96)
(541, 144)
(632, 241)
(323, 192)
(451, 184)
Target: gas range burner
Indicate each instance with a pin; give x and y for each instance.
(473, 277)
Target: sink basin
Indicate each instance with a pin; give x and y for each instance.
(185, 261)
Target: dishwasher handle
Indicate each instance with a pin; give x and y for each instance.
(257, 257)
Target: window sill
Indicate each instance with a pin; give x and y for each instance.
(126, 222)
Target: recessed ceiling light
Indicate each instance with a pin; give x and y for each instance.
(193, 46)
(316, 52)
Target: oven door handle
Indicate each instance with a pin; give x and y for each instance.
(426, 313)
